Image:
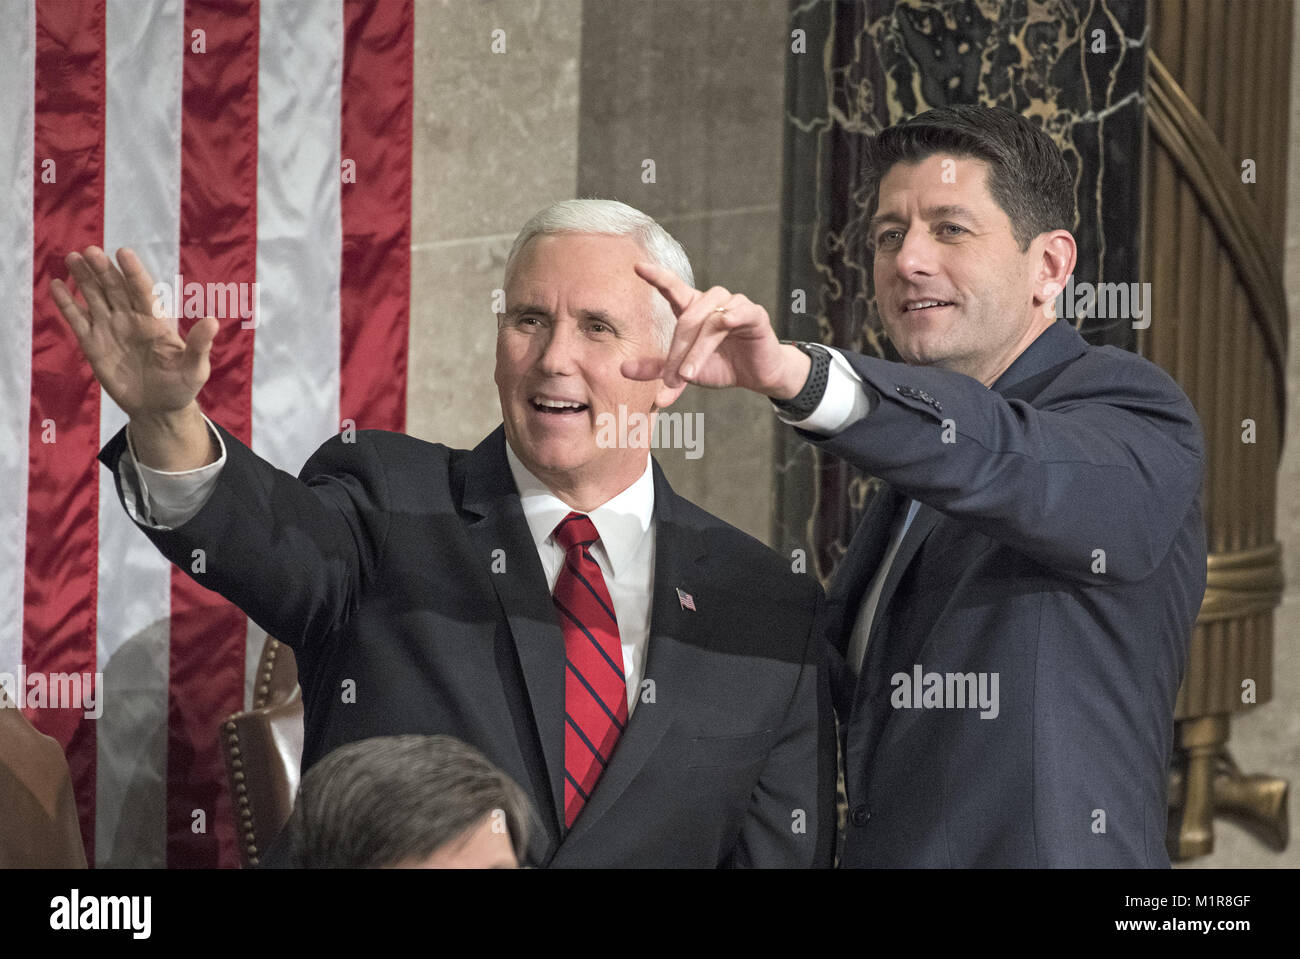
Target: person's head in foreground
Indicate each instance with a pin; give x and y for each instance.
(423, 802)
(971, 236)
(575, 313)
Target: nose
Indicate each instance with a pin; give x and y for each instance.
(916, 255)
(560, 350)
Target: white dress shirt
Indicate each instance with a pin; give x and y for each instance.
(625, 554)
(625, 523)
(843, 404)
(164, 500)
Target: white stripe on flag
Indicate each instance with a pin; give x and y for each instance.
(299, 236)
(145, 41)
(17, 169)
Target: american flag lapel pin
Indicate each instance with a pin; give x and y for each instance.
(686, 599)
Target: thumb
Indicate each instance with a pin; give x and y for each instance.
(646, 368)
(199, 342)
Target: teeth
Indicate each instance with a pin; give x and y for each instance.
(922, 304)
(558, 404)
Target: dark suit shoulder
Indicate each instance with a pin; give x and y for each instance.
(745, 564)
(402, 466)
(395, 448)
(1115, 376)
(1106, 370)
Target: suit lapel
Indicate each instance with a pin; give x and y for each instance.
(490, 492)
(848, 583)
(678, 564)
(922, 523)
(874, 665)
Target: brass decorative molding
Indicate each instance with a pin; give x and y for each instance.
(1217, 110)
(1242, 582)
(1202, 161)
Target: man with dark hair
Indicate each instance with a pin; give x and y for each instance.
(1028, 177)
(1010, 623)
(408, 802)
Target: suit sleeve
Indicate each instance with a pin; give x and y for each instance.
(791, 818)
(1113, 461)
(292, 553)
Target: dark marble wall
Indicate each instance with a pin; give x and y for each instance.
(1074, 67)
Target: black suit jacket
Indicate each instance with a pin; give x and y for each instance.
(377, 567)
(1077, 457)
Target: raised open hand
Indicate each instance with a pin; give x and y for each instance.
(136, 354)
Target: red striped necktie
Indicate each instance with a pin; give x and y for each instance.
(595, 689)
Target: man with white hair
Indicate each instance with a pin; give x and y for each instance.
(647, 673)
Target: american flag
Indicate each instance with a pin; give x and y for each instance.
(226, 142)
(686, 600)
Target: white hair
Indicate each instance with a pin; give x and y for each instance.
(612, 218)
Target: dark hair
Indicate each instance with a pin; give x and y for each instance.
(1028, 176)
(386, 800)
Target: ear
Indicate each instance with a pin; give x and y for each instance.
(667, 396)
(1055, 264)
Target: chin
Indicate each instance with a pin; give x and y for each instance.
(910, 355)
(551, 460)
(919, 352)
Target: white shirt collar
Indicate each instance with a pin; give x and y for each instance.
(621, 522)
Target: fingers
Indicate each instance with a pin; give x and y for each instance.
(673, 287)
(110, 280)
(705, 311)
(89, 286)
(139, 283)
(717, 327)
(68, 307)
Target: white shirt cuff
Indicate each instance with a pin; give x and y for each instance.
(169, 499)
(843, 403)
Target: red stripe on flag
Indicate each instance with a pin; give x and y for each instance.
(59, 592)
(218, 245)
(375, 280)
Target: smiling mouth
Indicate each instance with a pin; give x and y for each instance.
(921, 306)
(558, 407)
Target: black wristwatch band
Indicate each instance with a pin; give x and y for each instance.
(802, 405)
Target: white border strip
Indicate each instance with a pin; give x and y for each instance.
(17, 170)
(299, 238)
(141, 210)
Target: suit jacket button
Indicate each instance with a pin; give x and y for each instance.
(860, 815)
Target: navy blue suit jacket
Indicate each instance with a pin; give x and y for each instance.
(383, 565)
(1059, 545)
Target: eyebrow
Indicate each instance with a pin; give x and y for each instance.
(600, 316)
(944, 211)
(528, 307)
